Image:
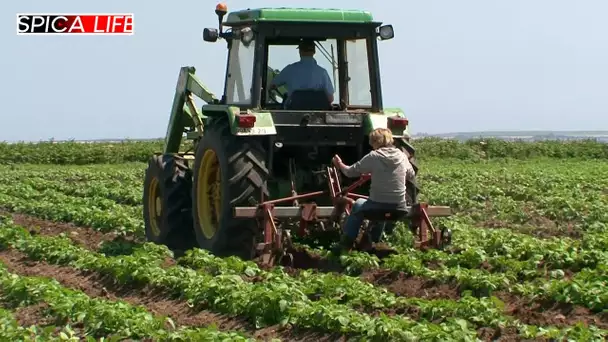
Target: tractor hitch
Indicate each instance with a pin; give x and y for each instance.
(277, 238)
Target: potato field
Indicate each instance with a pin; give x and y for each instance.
(528, 260)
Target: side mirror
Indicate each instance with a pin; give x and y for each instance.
(210, 35)
(386, 32)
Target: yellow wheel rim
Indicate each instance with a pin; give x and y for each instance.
(155, 208)
(209, 192)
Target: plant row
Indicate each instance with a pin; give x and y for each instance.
(97, 316)
(534, 194)
(522, 256)
(140, 151)
(543, 195)
(502, 250)
(128, 194)
(352, 291)
(275, 297)
(586, 288)
(77, 174)
(263, 303)
(98, 213)
(12, 331)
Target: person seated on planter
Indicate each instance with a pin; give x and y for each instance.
(389, 168)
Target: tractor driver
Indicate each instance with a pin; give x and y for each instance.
(389, 168)
(305, 74)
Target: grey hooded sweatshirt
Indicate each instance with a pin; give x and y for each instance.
(389, 167)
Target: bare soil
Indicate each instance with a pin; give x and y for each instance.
(33, 315)
(508, 334)
(410, 286)
(37, 315)
(543, 313)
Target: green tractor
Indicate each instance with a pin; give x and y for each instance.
(254, 159)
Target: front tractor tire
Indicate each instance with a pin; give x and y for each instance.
(167, 202)
(228, 171)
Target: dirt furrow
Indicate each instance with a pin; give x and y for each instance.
(397, 282)
(529, 311)
(87, 237)
(96, 286)
(533, 312)
(411, 286)
(157, 302)
(36, 315)
(545, 313)
(32, 315)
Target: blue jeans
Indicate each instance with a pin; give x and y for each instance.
(355, 219)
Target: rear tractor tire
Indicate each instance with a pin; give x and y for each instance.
(167, 202)
(228, 171)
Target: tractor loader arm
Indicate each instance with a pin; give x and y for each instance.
(183, 112)
(186, 118)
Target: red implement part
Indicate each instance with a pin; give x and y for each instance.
(271, 243)
(422, 220)
(275, 239)
(333, 182)
(309, 215)
(340, 197)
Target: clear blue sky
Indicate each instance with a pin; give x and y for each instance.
(464, 65)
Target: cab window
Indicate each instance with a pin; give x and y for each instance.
(359, 87)
(280, 56)
(240, 72)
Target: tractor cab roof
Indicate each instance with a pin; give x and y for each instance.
(298, 15)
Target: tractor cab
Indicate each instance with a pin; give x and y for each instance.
(314, 121)
(262, 42)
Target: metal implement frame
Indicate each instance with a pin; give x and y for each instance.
(276, 240)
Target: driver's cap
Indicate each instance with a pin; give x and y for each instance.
(307, 45)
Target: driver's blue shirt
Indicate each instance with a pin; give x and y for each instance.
(305, 74)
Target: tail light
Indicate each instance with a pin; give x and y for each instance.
(245, 120)
(396, 122)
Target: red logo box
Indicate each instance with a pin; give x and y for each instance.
(80, 24)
